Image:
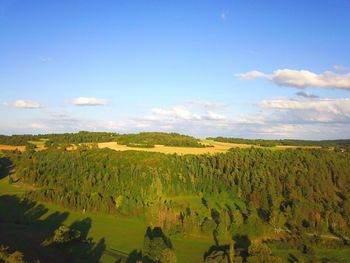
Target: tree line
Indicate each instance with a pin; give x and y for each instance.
(284, 142)
(143, 139)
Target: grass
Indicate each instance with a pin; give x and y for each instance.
(121, 235)
(40, 142)
(5, 188)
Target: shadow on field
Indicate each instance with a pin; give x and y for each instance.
(221, 253)
(24, 227)
(5, 167)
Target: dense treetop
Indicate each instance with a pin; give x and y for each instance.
(294, 189)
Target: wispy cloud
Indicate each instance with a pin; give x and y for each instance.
(302, 78)
(215, 116)
(85, 101)
(224, 15)
(27, 104)
(341, 68)
(306, 95)
(44, 59)
(206, 104)
(331, 105)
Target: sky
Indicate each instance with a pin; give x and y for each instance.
(250, 69)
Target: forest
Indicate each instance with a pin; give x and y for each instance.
(288, 199)
(146, 139)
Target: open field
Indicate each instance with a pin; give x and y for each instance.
(121, 235)
(12, 148)
(40, 142)
(217, 147)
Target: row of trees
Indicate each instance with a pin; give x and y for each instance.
(143, 139)
(285, 142)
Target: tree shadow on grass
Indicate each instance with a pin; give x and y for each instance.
(220, 253)
(216, 253)
(24, 227)
(5, 167)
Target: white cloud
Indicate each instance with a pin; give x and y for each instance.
(252, 75)
(332, 111)
(27, 104)
(336, 106)
(215, 116)
(174, 113)
(341, 68)
(302, 78)
(85, 101)
(206, 104)
(276, 118)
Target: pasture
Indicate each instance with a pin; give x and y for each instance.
(120, 235)
(115, 236)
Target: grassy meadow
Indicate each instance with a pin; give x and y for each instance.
(121, 235)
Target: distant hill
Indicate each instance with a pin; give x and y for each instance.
(284, 142)
(148, 139)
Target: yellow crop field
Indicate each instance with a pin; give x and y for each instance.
(12, 148)
(216, 147)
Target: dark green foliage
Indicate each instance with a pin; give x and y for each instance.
(208, 226)
(143, 139)
(64, 235)
(286, 142)
(17, 139)
(30, 147)
(250, 189)
(157, 247)
(162, 138)
(260, 253)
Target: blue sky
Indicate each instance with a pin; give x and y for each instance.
(254, 69)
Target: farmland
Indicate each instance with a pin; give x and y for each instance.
(99, 188)
(211, 147)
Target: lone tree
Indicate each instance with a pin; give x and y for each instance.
(157, 247)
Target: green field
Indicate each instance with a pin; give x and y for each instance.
(40, 142)
(117, 236)
(121, 235)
